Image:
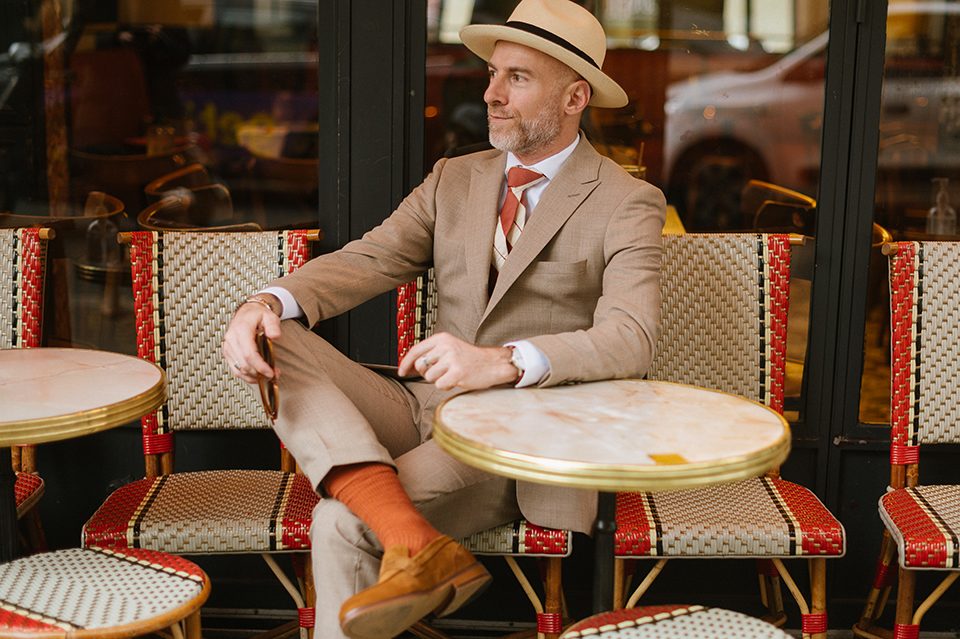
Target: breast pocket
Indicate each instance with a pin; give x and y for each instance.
(558, 268)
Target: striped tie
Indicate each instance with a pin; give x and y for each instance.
(513, 213)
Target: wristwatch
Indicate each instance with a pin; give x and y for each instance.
(516, 358)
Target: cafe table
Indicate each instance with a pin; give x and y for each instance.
(617, 435)
(50, 394)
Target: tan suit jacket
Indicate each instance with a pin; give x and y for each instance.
(581, 283)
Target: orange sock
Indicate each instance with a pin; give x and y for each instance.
(374, 494)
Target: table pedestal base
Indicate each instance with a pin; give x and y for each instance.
(603, 571)
(8, 509)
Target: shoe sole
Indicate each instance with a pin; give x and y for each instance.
(466, 585)
(391, 617)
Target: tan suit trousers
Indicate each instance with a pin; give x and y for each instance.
(339, 412)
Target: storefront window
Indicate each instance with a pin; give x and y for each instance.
(125, 115)
(918, 181)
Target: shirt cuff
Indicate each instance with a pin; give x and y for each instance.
(536, 365)
(291, 310)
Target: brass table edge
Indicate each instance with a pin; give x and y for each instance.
(614, 477)
(49, 429)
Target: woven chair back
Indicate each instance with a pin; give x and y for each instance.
(22, 268)
(723, 320)
(186, 287)
(925, 349)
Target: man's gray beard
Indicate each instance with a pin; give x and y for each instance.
(530, 136)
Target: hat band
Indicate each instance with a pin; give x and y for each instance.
(552, 37)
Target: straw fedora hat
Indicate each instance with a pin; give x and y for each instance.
(563, 30)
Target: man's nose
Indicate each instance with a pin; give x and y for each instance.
(493, 95)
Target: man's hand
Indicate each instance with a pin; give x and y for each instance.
(240, 341)
(449, 362)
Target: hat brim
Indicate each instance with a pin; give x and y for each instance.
(482, 39)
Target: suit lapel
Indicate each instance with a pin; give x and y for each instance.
(576, 180)
(483, 197)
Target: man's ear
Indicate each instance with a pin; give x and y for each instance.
(578, 97)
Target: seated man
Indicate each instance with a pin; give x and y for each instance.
(562, 286)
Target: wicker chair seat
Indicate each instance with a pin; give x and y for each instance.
(207, 512)
(520, 538)
(673, 622)
(760, 517)
(103, 592)
(925, 524)
(27, 490)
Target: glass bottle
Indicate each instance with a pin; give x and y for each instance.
(942, 218)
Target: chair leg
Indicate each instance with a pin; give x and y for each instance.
(33, 531)
(193, 626)
(906, 589)
(770, 593)
(553, 599)
(818, 597)
(879, 591)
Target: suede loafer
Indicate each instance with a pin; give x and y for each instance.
(438, 579)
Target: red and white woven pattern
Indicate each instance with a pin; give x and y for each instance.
(724, 314)
(925, 523)
(520, 538)
(207, 512)
(925, 311)
(22, 258)
(673, 622)
(28, 489)
(180, 280)
(760, 517)
(94, 588)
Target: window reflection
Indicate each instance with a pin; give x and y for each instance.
(918, 185)
(204, 99)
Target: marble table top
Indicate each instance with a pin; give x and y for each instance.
(47, 394)
(614, 435)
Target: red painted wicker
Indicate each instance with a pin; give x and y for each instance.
(27, 490)
(97, 593)
(673, 622)
(182, 284)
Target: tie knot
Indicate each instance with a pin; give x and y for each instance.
(518, 176)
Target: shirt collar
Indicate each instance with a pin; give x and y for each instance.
(549, 166)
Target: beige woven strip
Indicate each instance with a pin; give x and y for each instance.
(7, 279)
(202, 512)
(205, 277)
(940, 343)
(710, 321)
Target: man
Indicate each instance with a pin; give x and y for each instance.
(562, 286)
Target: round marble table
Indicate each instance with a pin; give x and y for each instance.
(632, 435)
(49, 394)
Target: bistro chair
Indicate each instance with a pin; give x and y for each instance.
(186, 287)
(723, 326)
(673, 622)
(416, 316)
(101, 593)
(921, 522)
(23, 256)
